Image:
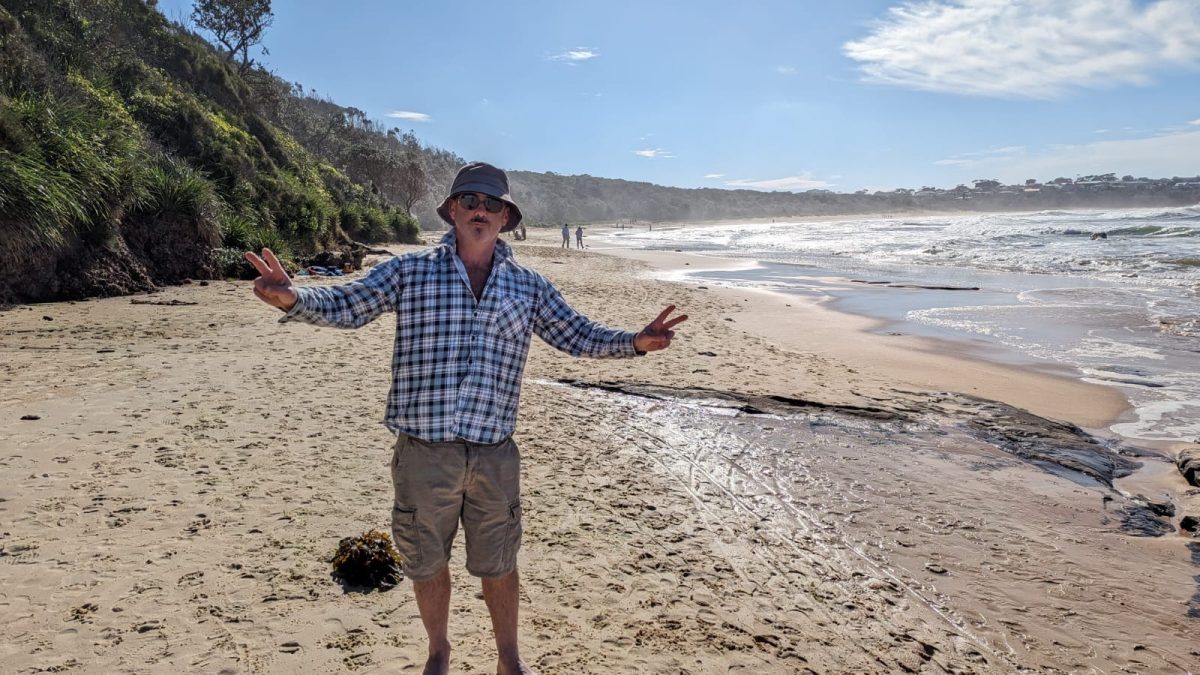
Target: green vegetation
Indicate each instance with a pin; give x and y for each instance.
(133, 154)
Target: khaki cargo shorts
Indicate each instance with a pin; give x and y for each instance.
(439, 484)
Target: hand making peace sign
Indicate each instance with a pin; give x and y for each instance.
(658, 334)
(274, 287)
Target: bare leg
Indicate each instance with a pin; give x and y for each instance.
(433, 601)
(502, 595)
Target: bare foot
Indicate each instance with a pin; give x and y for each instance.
(519, 669)
(437, 664)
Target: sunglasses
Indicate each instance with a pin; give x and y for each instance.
(470, 201)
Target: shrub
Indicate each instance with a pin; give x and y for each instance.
(173, 190)
(67, 168)
(404, 228)
(173, 227)
(241, 233)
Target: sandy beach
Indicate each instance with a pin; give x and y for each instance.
(781, 491)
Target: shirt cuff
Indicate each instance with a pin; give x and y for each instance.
(296, 308)
(626, 346)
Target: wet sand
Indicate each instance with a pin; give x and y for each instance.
(777, 492)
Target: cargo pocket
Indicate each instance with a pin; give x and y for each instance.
(512, 541)
(404, 534)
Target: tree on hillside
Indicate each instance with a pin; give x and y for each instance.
(371, 164)
(412, 180)
(237, 24)
(411, 184)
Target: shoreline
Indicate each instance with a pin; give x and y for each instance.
(1109, 405)
(908, 360)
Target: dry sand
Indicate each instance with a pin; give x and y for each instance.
(193, 466)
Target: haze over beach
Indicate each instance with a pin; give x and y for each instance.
(935, 407)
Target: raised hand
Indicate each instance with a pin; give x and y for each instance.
(274, 286)
(658, 334)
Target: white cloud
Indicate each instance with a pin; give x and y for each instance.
(410, 116)
(657, 153)
(573, 56)
(804, 182)
(1195, 122)
(970, 158)
(785, 70)
(1162, 155)
(714, 175)
(1028, 48)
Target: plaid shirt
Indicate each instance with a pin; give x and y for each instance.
(457, 364)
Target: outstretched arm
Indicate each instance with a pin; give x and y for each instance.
(658, 334)
(563, 328)
(348, 305)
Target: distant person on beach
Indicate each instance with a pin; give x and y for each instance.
(579, 236)
(566, 232)
(465, 314)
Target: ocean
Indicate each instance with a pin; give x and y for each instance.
(1112, 296)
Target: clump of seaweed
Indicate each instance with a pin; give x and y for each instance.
(369, 560)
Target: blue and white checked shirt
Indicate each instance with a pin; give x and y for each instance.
(457, 364)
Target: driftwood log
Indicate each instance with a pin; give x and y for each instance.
(368, 249)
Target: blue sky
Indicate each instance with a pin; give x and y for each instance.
(767, 94)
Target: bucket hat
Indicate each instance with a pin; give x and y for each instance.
(485, 179)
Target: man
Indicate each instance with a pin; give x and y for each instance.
(465, 313)
(566, 232)
(579, 237)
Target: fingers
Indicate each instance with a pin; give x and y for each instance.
(276, 266)
(675, 322)
(258, 263)
(653, 340)
(663, 315)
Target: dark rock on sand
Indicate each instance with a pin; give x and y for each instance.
(1188, 462)
(1142, 521)
(1050, 444)
(746, 403)
(1160, 508)
(1190, 524)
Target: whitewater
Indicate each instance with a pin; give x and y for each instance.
(1114, 296)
